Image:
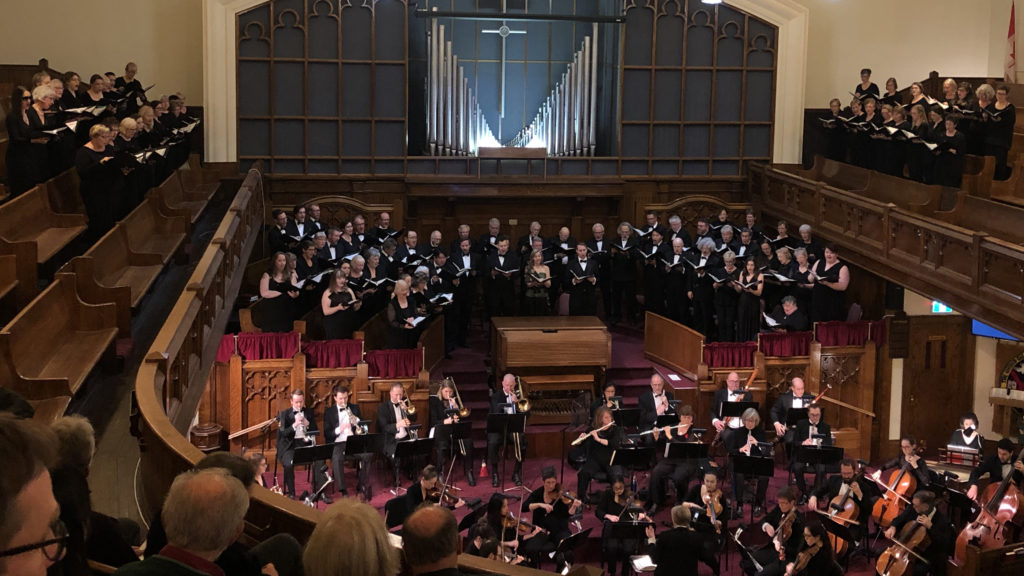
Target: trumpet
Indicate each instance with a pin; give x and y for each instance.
(357, 428)
(583, 436)
(523, 403)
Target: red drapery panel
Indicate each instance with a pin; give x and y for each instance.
(878, 334)
(266, 346)
(401, 363)
(843, 333)
(332, 353)
(786, 343)
(226, 348)
(729, 354)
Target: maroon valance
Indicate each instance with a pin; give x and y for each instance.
(400, 363)
(843, 333)
(268, 345)
(878, 333)
(786, 343)
(226, 348)
(332, 353)
(730, 354)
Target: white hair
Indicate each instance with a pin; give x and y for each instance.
(204, 510)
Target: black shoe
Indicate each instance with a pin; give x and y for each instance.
(739, 511)
(803, 500)
(516, 479)
(494, 481)
(757, 511)
(470, 479)
(652, 510)
(326, 499)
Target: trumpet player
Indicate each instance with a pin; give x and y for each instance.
(340, 422)
(601, 443)
(505, 401)
(653, 403)
(297, 428)
(444, 409)
(394, 420)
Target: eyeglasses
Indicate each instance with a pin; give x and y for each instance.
(29, 98)
(53, 549)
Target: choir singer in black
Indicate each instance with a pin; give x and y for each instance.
(580, 282)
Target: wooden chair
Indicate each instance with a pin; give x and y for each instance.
(171, 198)
(29, 219)
(148, 231)
(50, 348)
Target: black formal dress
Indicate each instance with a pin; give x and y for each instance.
(276, 314)
(748, 312)
(949, 165)
(341, 324)
(443, 445)
(827, 304)
(100, 185)
(287, 443)
(335, 418)
(677, 271)
(26, 161)
(614, 550)
(398, 335)
(999, 136)
(599, 458)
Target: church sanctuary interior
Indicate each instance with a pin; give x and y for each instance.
(511, 287)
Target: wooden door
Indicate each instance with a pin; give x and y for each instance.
(937, 378)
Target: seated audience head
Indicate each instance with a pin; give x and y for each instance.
(76, 443)
(235, 465)
(29, 514)
(204, 511)
(258, 461)
(366, 550)
(430, 538)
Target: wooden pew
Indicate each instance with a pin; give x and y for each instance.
(25, 269)
(148, 231)
(835, 174)
(50, 348)
(1011, 190)
(63, 193)
(979, 172)
(1000, 220)
(172, 198)
(869, 184)
(50, 410)
(198, 181)
(29, 218)
(8, 274)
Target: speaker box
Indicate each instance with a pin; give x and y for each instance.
(893, 296)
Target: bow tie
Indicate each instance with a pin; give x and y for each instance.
(397, 404)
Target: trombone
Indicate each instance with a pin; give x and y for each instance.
(408, 409)
(462, 412)
(522, 405)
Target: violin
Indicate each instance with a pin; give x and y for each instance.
(713, 503)
(784, 532)
(443, 497)
(514, 521)
(899, 487)
(899, 559)
(988, 530)
(844, 510)
(804, 558)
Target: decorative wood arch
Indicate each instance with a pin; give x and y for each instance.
(691, 208)
(335, 209)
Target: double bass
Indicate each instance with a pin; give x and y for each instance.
(899, 559)
(844, 510)
(899, 487)
(988, 530)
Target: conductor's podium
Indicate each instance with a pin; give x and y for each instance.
(557, 359)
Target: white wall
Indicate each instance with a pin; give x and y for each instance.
(163, 38)
(903, 39)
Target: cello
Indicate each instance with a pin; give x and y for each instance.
(899, 559)
(844, 510)
(988, 530)
(900, 486)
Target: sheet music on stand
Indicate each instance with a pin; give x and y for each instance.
(643, 563)
(962, 455)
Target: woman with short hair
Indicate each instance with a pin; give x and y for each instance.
(100, 181)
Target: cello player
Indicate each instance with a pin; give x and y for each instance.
(997, 467)
(940, 532)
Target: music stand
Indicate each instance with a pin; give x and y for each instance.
(627, 417)
(824, 458)
(413, 448)
(755, 467)
(686, 450)
(632, 458)
(505, 424)
(311, 455)
(735, 409)
(842, 531)
(666, 420)
(571, 542)
(470, 519)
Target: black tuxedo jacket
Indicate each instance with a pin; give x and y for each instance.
(404, 252)
(456, 247)
(676, 552)
(331, 420)
(785, 401)
(277, 239)
(941, 535)
(830, 489)
(467, 282)
(722, 395)
(511, 263)
(486, 244)
(387, 425)
(683, 234)
(293, 229)
(585, 287)
(525, 244)
(994, 467)
(795, 322)
(803, 432)
(649, 409)
(378, 235)
(796, 538)
(286, 428)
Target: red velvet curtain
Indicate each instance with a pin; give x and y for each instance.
(843, 333)
(400, 363)
(226, 348)
(266, 346)
(332, 353)
(786, 343)
(878, 333)
(730, 354)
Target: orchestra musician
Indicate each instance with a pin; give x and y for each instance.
(706, 498)
(731, 393)
(394, 421)
(915, 462)
(516, 536)
(796, 398)
(614, 503)
(606, 400)
(679, 471)
(997, 467)
(340, 422)
(601, 442)
(444, 409)
(551, 509)
(940, 532)
(747, 441)
(296, 429)
(816, 558)
(676, 551)
(426, 489)
(840, 484)
(785, 526)
(653, 403)
(967, 435)
(804, 434)
(504, 401)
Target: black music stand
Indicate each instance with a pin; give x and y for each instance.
(843, 532)
(470, 519)
(824, 459)
(735, 409)
(505, 424)
(627, 417)
(632, 458)
(752, 467)
(311, 455)
(686, 451)
(421, 447)
(626, 530)
(572, 542)
(666, 420)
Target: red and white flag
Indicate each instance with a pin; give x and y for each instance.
(1010, 65)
